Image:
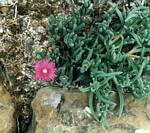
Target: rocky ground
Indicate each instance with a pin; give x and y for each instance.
(67, 112)
(23, 31)
(55, 111)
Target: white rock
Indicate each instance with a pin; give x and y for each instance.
(41, 30)
(142, 131)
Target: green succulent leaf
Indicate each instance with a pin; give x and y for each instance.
(102, 49)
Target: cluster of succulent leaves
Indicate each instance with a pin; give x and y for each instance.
(103, 52)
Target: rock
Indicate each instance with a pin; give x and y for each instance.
(142, 131)
(41, 30)
(55, 111)
(24, 22)
(4, 6)
(45, 107)
(47, 98)
(58, 111)
(7, 121)
(72, 110)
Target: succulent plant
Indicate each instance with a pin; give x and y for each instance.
(103, 51)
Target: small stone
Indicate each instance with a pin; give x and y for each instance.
(88, 111)
(24, 22)
(34, 24)
(46, 43)
(41, 30)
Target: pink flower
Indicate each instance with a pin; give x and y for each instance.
(45, 70)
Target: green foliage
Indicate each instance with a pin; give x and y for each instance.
(103, 52)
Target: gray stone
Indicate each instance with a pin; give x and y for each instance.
(57, 111)
(45, 111)
(48, 98)
(7, 121)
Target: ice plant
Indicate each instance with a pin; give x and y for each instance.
(104, 52)
(45, 70)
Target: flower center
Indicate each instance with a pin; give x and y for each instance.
(44, 71)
